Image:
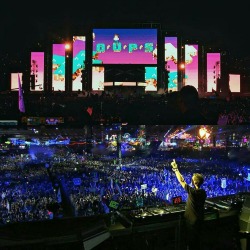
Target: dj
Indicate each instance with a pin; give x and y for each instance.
(194, 211)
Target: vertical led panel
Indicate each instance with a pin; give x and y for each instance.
(171, 55)
(14, 81)
(58, 67)
(234, 82)
(213, 70)
(151, 79)
(191, 65)
(79, 44)
(37, 71)
(98, 78)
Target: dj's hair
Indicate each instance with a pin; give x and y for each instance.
(198, 179)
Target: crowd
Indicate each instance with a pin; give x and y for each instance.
(77, 184)
(113, 107)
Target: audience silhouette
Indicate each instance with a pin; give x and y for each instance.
(189, 107)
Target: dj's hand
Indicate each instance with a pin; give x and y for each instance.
(174, 164)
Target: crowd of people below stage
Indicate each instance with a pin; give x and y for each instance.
(73, 184)
(110, 108)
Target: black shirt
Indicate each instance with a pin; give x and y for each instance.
(195, 204)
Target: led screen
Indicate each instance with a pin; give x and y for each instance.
(124, 46)
(124, 73)
(8, 122)
(98, 78)
(14, 81)
(37, 71)
(171, 55)
(150, 81)
(35, 120)
(213, 71)
(58, 67)
(79, 43)
(151, 78)
(125, 84)
(234, 83)
(191, 65)
(54, 120)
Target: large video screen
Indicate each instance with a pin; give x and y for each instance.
(37, 71)
(124, 46)
(79, 43)
(171, 60)
(58, 67)
(213, 71)
(191, 65)
(234, 82)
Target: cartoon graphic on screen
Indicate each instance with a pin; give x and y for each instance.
(58, 67)
(191, 64)
(132, 47)
(100, 48)
(170, 53)
(55, 66)
(58, 72)
(155, 52)
(151, 78)
(171, 61)
(117, 47)
(95, 57)
(78, 61)
(172, 81)
(98, 78)
(190, 52)
(125, 46)
(77, 73)
(151, 85)
(149, 47)
(116, 38)
(79, 38)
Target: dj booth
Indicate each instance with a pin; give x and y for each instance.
(162, 227)
(153, 228)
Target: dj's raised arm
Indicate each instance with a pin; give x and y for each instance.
(177, 173)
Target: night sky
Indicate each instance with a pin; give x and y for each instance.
(28, 27)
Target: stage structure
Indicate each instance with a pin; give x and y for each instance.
(140, 58)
